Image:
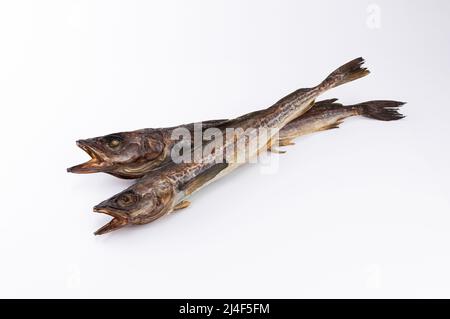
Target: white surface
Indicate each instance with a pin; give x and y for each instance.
(362, 211)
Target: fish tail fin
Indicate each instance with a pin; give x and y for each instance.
(348, 72)
(381, 110)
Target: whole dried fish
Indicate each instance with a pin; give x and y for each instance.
(165, 190)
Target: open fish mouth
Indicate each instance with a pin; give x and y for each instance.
(94, 165)
(117, 222)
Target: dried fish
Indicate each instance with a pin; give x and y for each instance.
(165, 190)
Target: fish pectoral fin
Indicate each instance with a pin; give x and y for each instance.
(281, 142)
(285, 142)
(181, 205)
(276, 151)
(331, 126)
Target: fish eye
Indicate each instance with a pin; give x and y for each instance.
(127, 199)
(114, 143)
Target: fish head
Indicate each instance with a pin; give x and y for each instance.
(111, 153)
(139, 204)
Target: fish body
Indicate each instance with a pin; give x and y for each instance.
(163, 190)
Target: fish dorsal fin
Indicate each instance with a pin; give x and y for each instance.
(213, 123)
(203, 178)
(205, 124)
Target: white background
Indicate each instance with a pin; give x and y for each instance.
(362, 211)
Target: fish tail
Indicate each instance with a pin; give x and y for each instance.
(348, 72)
(380, 110)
